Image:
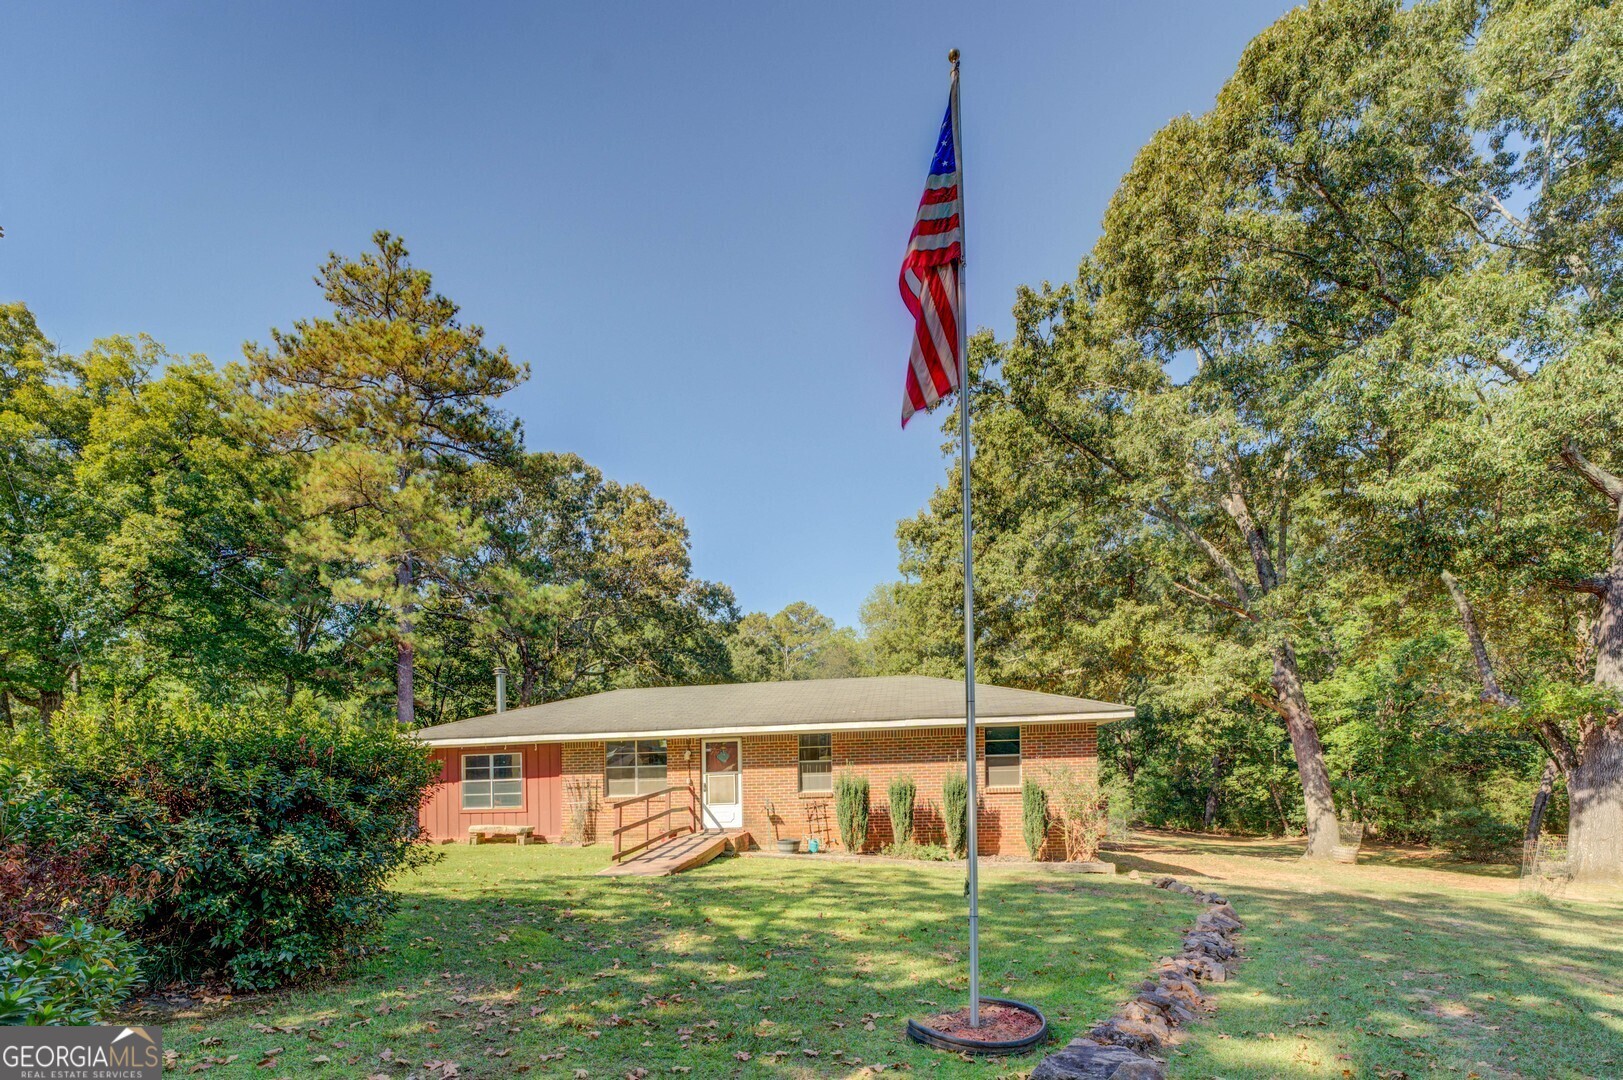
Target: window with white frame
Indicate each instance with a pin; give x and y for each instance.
(1002, 757)
(816, 763)
(492, 782)
(633, 767)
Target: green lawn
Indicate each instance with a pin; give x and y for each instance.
(507, 960)
(1400, 968)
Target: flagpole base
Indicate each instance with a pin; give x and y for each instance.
(960, 1041)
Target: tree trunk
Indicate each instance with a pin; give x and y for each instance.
(1595, 782)
(1595, 794)
(1279, 808)
(50, 703)
(1210, 814)
(405, 706)
(1323, 833)
(1541, 800)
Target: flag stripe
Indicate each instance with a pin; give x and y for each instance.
(929, 281)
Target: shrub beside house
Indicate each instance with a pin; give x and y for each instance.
(248, 846)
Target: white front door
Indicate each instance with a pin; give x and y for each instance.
(723, 788)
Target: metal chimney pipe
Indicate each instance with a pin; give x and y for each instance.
(501, 688)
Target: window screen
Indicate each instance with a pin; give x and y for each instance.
(816, 763)
(1002, 757)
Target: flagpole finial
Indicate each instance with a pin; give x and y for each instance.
(952, 57)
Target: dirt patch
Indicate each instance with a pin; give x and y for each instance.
(999, 1023)
(1274, 862)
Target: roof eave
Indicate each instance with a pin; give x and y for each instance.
(1101, 717)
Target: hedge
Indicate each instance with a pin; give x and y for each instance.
(272, 832)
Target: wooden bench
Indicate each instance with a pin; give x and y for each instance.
(522, 833)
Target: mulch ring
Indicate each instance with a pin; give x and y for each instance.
(999, 1023)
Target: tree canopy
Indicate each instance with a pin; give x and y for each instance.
(1325, 430)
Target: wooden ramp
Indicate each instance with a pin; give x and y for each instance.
(678, 854)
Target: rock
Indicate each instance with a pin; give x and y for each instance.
(1175, 1010)
(1138, 1012)
(1084, 1059)
(1180, 887)
(1217, 923)
(1204, 967)
(1132, 875)
(1162, 881)
(1181, 989)
(1133, 1034)
(1213, 945)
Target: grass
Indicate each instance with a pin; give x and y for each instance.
(1407, 967)
(512, 961)
(508, 960)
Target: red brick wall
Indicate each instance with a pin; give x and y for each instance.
(771, 774)
(584, 801)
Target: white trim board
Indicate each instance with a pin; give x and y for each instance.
(1102, 717)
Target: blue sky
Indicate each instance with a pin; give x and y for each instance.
(688, 219)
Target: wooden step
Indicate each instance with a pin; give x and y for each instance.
(678, 854)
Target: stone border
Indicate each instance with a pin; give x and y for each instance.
(1118, 1048)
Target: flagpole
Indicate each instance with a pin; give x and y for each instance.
(964, 454)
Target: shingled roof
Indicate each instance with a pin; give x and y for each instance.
(893, 701)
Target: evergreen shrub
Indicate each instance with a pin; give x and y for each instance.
(851, 810)
(1034, 816)
(903, 793)
(955, 812)
(269, 832)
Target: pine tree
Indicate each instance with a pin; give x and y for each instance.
(387, 398)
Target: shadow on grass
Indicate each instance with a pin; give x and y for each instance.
(1418, 981)
(525, 955)
(1282, 848)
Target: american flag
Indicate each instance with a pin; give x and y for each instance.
(929, 279)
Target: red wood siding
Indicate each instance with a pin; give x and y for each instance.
(442, 816)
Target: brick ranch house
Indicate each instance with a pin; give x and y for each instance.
(762, 756)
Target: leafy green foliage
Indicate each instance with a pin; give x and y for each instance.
(923, 852)
(48, 871)
(1034, 818)
(1473, 833)
(582, 584)
(955, 812)
(273, 831)
(1351, 329)
(798, 642)
(904, 792)
(76, 976)
(851, 809)
(239, 535)
(141, 532)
